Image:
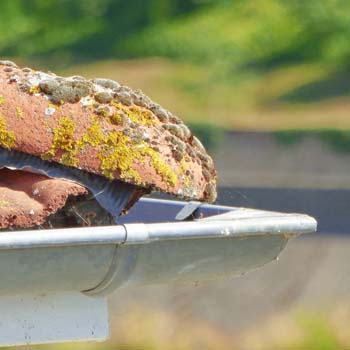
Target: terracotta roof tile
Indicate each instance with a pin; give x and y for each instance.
(102, 128)
(27, 199)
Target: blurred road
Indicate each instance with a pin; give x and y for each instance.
(312, 271)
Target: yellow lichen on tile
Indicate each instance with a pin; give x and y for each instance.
(7, 137)
(183, 169)
(19, 112)
(161, 167)
(63, 140)
(55, 107)
(141, 116)
(115, 119)
(119, 154)
(2, 99)
(93, 136)
(136, 114)
(34, 89)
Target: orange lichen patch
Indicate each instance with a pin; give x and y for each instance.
(27, 199)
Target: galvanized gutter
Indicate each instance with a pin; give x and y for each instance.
(254, 222)
(97, 260)
(54, 283)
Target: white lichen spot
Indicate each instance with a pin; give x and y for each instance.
(49, 111)
(37, 77)
(146, 136)
(31, 212)
(35, 191)
(87, 101)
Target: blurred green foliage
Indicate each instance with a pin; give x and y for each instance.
(257, 34)
(229, 35)
(338, 140)
(212, 136)
(318, 333)
(78, 29)
(290, 137)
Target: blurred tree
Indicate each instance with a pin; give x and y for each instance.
(229, 35)
(79, 28)
(254, 33)
(39, 27)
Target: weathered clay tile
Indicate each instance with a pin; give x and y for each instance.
(104, 128)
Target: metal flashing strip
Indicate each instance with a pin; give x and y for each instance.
(150, 210)
(113, 196)
(188, 210)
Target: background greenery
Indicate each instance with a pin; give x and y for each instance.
(231, 35)
(249, 65)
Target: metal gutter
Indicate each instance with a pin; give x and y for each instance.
(97, 260)
(68, 237)
(54, 283)
(254, 222)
